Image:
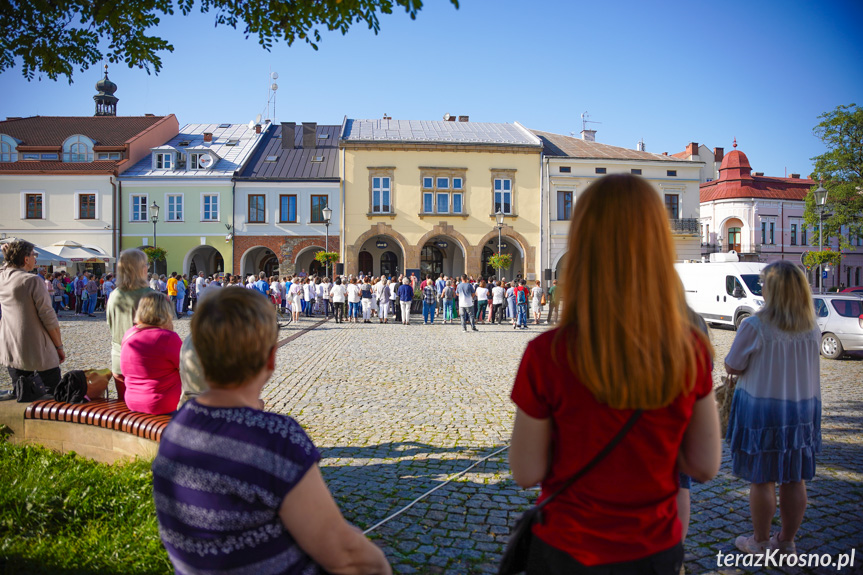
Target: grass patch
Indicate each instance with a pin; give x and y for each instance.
(61, 513)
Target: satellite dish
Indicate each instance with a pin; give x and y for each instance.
(258, 119)
(251, 124)
(274, 75)
(274, 87)
(205, 161)
(446, 117)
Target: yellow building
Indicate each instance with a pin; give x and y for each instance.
(421, 197)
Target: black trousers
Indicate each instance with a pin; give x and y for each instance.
(50, 377)
(547, 560)
(497, 313)
(340, 311)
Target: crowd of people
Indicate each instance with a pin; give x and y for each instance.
(623, 383)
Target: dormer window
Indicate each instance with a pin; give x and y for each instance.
(164, 160)
(8, 147)
(200, 161)
(78, 148)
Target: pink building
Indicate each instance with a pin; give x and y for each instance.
(761, 218)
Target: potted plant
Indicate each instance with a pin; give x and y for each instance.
(154, 254)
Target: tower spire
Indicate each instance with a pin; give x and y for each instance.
(106, 102)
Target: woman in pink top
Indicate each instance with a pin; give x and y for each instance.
(150, 358)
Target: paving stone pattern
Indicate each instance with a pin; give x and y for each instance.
(396, 410)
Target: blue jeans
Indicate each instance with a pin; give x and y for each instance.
(428, 312)
(91, 304)
(179, 304)
(353, 309)
(522, 315)
(465, 312)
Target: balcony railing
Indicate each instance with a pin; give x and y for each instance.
(690, 226)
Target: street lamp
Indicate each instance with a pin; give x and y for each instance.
(820, 200)
(499, 218)
(154, 217)
(328, 213)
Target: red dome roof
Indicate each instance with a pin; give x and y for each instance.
(735, 166)
(735, 159)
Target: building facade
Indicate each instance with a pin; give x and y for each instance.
(280, 197)
(761, 218)
(571, 164)
(421, 197)
(190, 177)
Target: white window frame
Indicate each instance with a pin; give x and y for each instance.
(24, 194)
(430, 197)
(145, 212)
(195, 160)
(438, 181)
(503, 193)
(159, 158)
(430, 181)
(437, 199)
(218, 215)
(460, 183)
(182, 217)
(381, 190)
(108, 156)
(461, 201)
(96, 212)
(12, 153)
(72, 149)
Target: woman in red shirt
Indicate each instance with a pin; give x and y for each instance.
(625, 342)
(150, 358)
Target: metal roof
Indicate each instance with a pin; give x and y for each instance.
(295, 163)
(231, 159)
(438, 132)
(557, 145)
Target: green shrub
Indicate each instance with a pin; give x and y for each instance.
(61, 513)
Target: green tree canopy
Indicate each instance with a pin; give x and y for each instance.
(54, 37)
(840, 169)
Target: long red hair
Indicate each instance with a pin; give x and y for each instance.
(630, 336)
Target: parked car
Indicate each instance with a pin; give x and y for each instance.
(858, 291)
(840, 319)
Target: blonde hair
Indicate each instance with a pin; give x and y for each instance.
(233, 331)
(132, 270)
(154, 309)
(629, 335)
(787, 299)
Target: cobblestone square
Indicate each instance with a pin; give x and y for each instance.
(396, 410)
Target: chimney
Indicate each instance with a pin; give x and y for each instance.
(758, 173)
(464, 118)
(640, 146)
(289, 130)
(718, 154)
(588, 135)
(795, 176)
(309, 135)
(664, 153)
(208, 137)
(692, 149)
(257, 128)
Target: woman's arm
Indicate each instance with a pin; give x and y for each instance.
(315, 522)
(530, 449)
(701, 450)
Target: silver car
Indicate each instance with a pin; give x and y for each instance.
(840, 319)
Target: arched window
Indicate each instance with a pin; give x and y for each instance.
(431, 261)
(78, 148)
(389, 264)
(8, 147)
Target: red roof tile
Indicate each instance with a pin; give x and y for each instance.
(34, 167)
(53, 130)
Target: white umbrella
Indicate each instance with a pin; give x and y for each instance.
(43, 256)
(76, 253)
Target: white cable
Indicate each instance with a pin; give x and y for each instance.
(432, 490)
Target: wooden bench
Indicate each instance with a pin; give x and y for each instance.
(105, 430)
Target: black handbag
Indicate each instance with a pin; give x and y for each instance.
(517, 549)
(29, 388)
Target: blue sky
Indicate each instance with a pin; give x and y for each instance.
(669, 73)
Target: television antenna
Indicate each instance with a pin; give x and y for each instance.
(272, 87)
(585, 120)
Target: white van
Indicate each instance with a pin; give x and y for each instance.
(722, 292)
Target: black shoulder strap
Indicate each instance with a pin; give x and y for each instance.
(596, 458)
